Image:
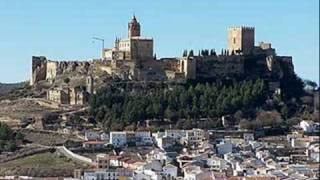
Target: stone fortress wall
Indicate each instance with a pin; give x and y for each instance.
(45, 69)
(220, 66)
(132, 59)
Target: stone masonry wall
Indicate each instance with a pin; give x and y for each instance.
(39, 69)
(44, 69)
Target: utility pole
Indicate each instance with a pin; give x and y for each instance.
(102, 43)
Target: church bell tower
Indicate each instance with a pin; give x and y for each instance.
(133, 28)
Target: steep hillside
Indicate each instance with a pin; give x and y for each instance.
(5, 89)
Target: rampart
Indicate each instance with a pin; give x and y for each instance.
(44, 69)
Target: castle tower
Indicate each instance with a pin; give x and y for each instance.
(89, 84)
(133, 28)
(241, 39)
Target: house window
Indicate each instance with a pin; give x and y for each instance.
(234, 40)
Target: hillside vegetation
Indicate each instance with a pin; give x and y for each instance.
(116, 107)
(5, 89)
(41, 165)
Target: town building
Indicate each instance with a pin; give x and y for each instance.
(108, 174)
(118, 139)
(93, 145)
(309, 126)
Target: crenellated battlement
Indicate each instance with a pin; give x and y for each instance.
(132, 59)
(245, 28)
(241, 39)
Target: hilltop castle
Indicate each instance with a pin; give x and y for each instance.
(134, 48)
(133, 59)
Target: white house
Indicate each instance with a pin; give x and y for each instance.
(309, 126)
(170, 170)
(107, 174)
(147, 175)
(163, 142)
(248, 137)
(102, 161)
(175, 133)
(215, 163)
(143, 138)
(196, 173)
(118, 138)
(194, 136)
(313, 152)
(153, 165)
(154, 171)
(162, 156)
(224, 147)
(104, 137)
(91, 136)
(300, 142)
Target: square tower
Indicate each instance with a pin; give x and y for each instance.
(241, 39)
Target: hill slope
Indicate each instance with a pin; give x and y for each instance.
(5, 89)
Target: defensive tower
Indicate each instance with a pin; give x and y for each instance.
(241, 39)
(133, 28)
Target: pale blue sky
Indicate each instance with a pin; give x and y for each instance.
(62, 29)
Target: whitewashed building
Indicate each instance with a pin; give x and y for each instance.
(224, 147)
(118, 138)
(196, 173)
(309, 126)
(194, 136)
(108, 174)
(143, 138)
(170, 171)
(91, 136)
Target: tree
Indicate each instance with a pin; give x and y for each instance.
(269, 118)
(188, 124)
(185, 53)
(5, 132)
(292, 87)
(238, 115)
(211, 52)
(311, 84)
(191, 53)
(293, 121)
(171, 114)
(7, 138)
(114, 108)
(284, 111)
(206, 52)
(10, 146)
(66, 80)
(19, 136)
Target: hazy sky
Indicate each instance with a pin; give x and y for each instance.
(63, 29)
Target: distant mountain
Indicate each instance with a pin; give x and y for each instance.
(6, 88)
